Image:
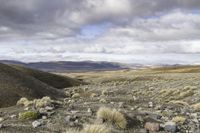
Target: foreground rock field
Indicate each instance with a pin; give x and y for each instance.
(128, 101)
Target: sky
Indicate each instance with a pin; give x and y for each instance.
(127, 31)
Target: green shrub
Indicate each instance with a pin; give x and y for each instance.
(29, 115)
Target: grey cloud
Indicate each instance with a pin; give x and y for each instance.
(48, 29)
(33, 16)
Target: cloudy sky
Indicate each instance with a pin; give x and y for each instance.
(129, 31)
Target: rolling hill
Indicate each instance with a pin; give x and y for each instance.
(17, 82)
(54, 80)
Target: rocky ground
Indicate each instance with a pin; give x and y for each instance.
(150, 102)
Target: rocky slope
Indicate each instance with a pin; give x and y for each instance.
(150, 100)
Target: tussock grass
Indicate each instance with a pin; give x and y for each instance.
(179, 119)
(24, 102)
(112, 116)
(45, 101)
(95, 129)
(38, 103)
(72, 131)
(196, 106)
(181, 103)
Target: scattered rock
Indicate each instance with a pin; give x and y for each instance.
(170, 126)
(36, 124)
(67, 119)
(1, 126)
(154, 127)
(48, 108)
(44, 117)
(26, 109)
(150, 104)
(13, 116)
(1, 119)
(121, 104)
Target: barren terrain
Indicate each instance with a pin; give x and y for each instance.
(156, 100)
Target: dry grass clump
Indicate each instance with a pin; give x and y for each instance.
(112, 116)
(181, 103)
(104, 93)
(45, 101)
(38, 103)
(90, 129)
(102, 100)
(166, 92)
(24, 102)
(93, 95)
(72, 131)
(179, 119)
(189, 88)
(185, 94)
(95, 129)
(196, 107)
(76, 95)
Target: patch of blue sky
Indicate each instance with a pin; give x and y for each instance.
(92, 31)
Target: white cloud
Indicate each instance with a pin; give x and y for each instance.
(138, 31)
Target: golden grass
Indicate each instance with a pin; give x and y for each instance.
(72, 131)
(181, 103)
(196, 106)
(112, 116)
(76, 95)
(45, 101)
(179, 119)
(24, 102)
(95, 129)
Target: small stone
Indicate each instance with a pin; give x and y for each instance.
(1, 126)
(1, 119)
(76, 121)
(13, 116)
(150, 104)
(134, 98)
(74, 112)
(170, 127)
(150, 126)
(26, 109)
(121, 104)
(89, 110)
(71, 124)
(44, 117)
(48, 108)
(36, 124)
(67, 119)
(50, 113)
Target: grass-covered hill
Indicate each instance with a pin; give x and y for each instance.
(17, 82)
(54, 80)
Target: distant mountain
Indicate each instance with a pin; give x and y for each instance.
(68, 66)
